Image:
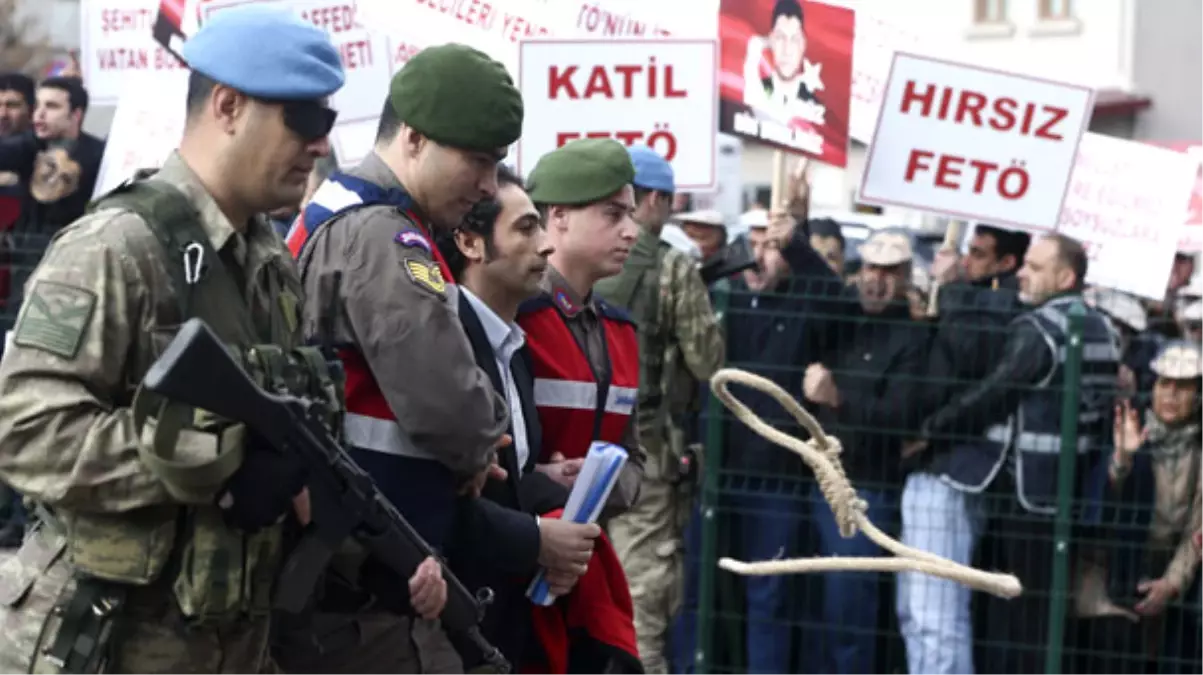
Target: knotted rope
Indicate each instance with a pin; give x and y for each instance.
(821, 453)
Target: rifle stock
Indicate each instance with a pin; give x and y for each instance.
(196, 369)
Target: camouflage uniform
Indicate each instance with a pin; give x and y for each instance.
(684, 346)
(101, 307)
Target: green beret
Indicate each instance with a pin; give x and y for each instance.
(581, 172)
(459, 97)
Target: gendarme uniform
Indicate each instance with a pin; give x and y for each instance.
(422, 417)
(585, 351)
(128, 532)
(680, 344)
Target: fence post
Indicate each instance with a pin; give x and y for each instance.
(712, 464)
(1066, 467)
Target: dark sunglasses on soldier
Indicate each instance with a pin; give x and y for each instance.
(310, 120)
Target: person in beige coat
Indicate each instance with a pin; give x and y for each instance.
(1137, 598)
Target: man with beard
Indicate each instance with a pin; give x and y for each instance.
(866, 387)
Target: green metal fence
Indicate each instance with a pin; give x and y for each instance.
(1067, 642)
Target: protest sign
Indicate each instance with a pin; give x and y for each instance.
(1191, 240)
(654, 92)
(975, 143)
(1125, 203)
(786, 75)
(116, 43)
(876, 42)
(147, 126)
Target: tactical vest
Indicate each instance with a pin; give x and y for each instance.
(575, 408)
(218, 572)
(1033, 432)
(638, 290)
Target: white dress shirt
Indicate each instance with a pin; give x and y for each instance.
(505, 339)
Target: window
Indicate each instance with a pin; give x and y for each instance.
(990, 11)
(1055, 9)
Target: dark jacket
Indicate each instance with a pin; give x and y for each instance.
(776, 335)
(967, 343)
(496, 539)
(877, 361)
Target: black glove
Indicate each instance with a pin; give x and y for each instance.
(261, 490)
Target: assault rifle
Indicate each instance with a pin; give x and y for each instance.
(197, 370)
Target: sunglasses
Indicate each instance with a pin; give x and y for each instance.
(310, 120)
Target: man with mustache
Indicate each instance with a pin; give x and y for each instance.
(866, 388)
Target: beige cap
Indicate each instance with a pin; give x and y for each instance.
(886, 249)
(1179, 361)
(1119, 306)
(709, 217)
(754, 218)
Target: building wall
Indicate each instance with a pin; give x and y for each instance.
(1168, 68)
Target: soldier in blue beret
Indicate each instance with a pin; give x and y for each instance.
(422, 417)
(161, 523)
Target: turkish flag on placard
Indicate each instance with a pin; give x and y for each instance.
(785, 75)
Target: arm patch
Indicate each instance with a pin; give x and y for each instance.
(55, 318)
(426, 275)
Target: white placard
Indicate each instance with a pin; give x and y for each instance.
(658, 92)
(117, 43)
(975, 143)
(1125, 204)
(147, 125)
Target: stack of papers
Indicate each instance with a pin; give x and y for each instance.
(589, 493)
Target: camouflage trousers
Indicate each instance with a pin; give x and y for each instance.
(170, 647)
(649, 542)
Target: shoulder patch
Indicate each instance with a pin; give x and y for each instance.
(426, 275)
(55, 318)
(413, 239)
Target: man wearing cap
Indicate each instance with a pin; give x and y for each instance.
(706, 229)
(866, 386)
(680, 344)
(585, 351)
(157, 544)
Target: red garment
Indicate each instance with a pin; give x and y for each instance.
(600, 607)
(574, 410)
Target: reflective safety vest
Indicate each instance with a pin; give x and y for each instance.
(369, 422)
(576, 405)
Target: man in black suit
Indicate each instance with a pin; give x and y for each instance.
(499, 256)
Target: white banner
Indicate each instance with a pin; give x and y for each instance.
(1125, 203)
(661, 93)
(147, 126)
(116, 43)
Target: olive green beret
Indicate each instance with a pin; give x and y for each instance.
(581, 172)
(459, 97)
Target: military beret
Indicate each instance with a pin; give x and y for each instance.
(266, 52)
(652, 172)
(1178, 361)
(459, 97)
(581, 172)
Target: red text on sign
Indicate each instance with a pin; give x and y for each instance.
(600, 82)
(594, 19)
(122, 58)
(951, 172)
(356, 54)
(1002, 114)
(117, 20)
(661, 139)
(333, 19)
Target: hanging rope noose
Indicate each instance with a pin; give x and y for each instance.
(821, 453)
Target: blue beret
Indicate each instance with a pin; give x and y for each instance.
(266, 52)
(652, 172)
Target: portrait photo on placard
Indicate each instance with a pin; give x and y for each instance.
(786, 74)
